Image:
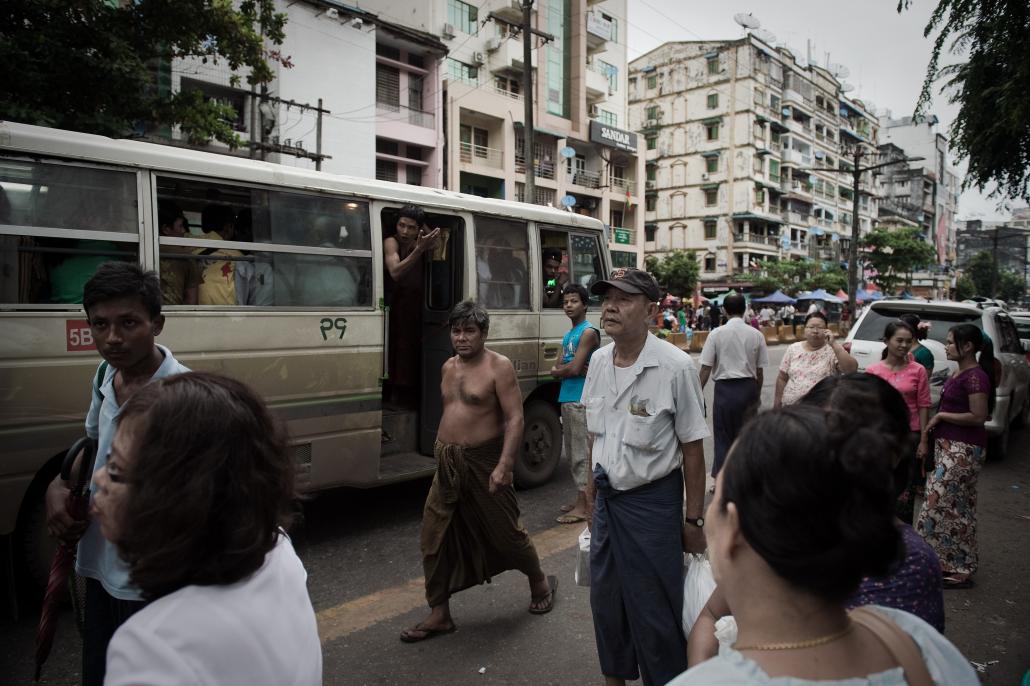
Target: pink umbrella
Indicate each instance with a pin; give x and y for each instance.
(64, 558)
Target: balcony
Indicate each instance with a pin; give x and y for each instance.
(796, 158)
(795, 188)
(623, 186)
(599, 31)
(585, 179)
(799, 247)
(792, 97)
(392, 112)
(760, 240)
(507, 58)
(597, 84)
(480, 155)
(544, 168)
(796, 218)
(506, 93)
(510, 11)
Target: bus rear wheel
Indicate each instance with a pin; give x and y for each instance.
(541, 445)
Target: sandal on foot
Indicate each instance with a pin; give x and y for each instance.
(421, 633)
(541, 605)
(956, 582)
(570, 518)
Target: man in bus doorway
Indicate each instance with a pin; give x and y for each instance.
(577, 346)
(123, 306)
(403, 254)
(646, 423)
(471, 526)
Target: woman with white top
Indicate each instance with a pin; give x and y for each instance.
(808, 362)
(196, 493)
(788, 552)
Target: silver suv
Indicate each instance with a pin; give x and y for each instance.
(1012, 368)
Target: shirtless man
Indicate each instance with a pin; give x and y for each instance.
(471, 527)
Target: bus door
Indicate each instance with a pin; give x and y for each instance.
(444, 273)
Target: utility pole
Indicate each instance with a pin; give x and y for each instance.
(527, 100)
(856, 178)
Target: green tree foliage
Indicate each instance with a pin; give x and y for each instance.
(992, 88)
(677, 272)
(987, 279)
(796, 276)
(895, 254)
(964, 288)
(90, 65)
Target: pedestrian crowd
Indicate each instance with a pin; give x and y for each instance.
(825, 572)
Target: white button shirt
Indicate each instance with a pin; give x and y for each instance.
(735, 350)
(637, 433)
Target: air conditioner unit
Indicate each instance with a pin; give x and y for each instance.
(594, 111)
(704, 176)
(447, 31)
(493, 44)
(477, 58)
(649, 185)
(651, 123)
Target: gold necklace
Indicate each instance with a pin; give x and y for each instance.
(810, 643)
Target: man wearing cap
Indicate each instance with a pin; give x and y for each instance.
(645, 421)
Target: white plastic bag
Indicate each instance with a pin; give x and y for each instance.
(698, 584)
(583, 559)
(726, 633)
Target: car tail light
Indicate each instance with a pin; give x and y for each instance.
(847, 346)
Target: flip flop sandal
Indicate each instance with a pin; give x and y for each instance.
(952, 583)
(425, 633)
(570, 519)
(552, 584)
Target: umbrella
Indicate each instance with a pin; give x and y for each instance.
(866, 296)
(777, 298)
(841, 294)
(64, 558)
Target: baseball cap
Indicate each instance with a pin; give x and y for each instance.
(629, 280)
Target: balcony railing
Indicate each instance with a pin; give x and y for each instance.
(757, 239)
(480, 154)
(544, 168)
(507, 93)
(388, 111)
(586, 179)
(623, 185)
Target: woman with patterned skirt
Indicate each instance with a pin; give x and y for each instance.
(947, 519)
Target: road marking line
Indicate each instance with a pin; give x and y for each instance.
(354, 615)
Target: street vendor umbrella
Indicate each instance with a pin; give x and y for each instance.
(841, 294)
(777, 298)
(862, 295)
(64, 558)
(820, 294)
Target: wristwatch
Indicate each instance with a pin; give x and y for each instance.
(699, 522)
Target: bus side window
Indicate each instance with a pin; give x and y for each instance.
(37, 198)
(333, 267)
(585, 264)
(502, 263)
(554, 259)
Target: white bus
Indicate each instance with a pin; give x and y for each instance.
(292, 302)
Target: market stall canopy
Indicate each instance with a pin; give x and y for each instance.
(777, 298)
(819, 294)
(865, 296)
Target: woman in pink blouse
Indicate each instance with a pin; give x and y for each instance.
(909, 377)
(808, 362)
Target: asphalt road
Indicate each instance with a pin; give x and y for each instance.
(365, 578)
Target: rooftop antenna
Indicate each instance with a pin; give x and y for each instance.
(747, 21)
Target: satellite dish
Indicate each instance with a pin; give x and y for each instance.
(847, 87)
(834, 237)
(766, 36)
(747, 20)
(568, 201)
(568, 152)
(839, 70)
(870, 107)
(819, 154)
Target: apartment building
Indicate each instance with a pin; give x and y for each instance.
(584, 155)
(742, 142)
(361, 96)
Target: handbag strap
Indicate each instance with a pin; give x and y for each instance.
(899, 644)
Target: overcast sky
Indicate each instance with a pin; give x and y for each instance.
(885, 51)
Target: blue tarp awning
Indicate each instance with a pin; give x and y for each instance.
(777, 298)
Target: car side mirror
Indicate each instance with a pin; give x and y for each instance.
(1026, 344)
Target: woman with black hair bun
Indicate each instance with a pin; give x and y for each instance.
(919, 352)
(788, 552)
(947, 519)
